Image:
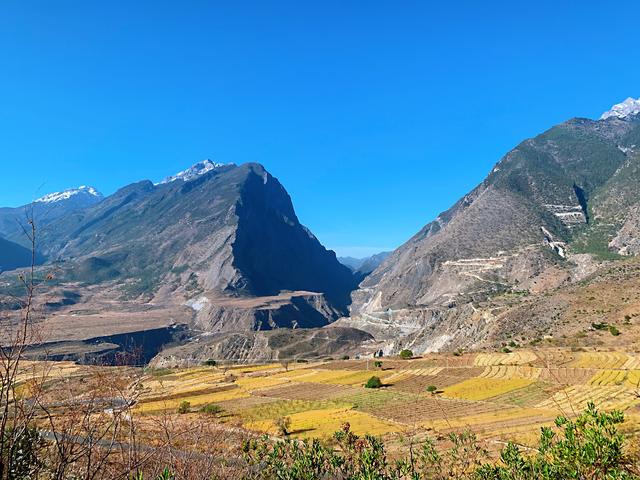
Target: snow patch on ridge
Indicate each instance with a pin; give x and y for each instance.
(194, 171)
(631, 106)
(66, 194)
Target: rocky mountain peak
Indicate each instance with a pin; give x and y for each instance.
(194, 171)
(631, 106)
(82, 190)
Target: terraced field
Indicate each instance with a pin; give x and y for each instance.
(498, 395)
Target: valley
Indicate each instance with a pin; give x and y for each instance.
(499, 396)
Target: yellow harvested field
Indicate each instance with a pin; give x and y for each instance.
(511, 371)
(633, 379)
(519, 357)
(495, 419)
(482, 388)
(256, 368)
(573, 399)
(251, 384)
(183, 382)
(497, 395)
(632, 363)
(49, 370)
(423, 371)
(195, 400)
(283, 408)
(294, 374)
(343, 377)
(600, 360)
(324, 423)
(608, 377)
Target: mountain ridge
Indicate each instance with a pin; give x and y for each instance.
(220, 250)
(551, 209)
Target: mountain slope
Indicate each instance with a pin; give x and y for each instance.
(549, 210)
(45, 211)
(14, 256)
(223, 240)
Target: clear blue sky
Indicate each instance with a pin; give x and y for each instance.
(375, 116)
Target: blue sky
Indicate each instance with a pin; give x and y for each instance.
(375, 116)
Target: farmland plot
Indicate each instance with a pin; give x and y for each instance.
(573, 399)
(324, 423)
(567, 376)
(608, 377)
(609, 360)
(511, 371)
(494, 394)
(427, 408)
(309, 391)
(419, 383)
(527, 396)
(483, 388)
(519, 357)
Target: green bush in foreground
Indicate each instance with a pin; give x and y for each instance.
(588, 447)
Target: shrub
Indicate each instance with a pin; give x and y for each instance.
(377, 364)
(506, 350)
(22, 461)
(432, 389)
(210, 363)
(212, 409)
(373, 382)
(283, 424)
(613, 330)
(406, 354)
(345, 357)
(589, 447)
(184, 407)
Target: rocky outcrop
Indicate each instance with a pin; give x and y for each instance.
(285, 310)
(627, 239)
(250, 347)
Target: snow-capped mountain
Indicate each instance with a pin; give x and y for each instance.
(46, 210)
(194, 171)
(631, 106)
(82, 190)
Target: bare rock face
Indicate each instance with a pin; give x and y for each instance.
(285, 310)
(281, 345)
(627, 240)
(548, 214)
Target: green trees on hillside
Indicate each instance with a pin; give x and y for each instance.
(406, 354)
